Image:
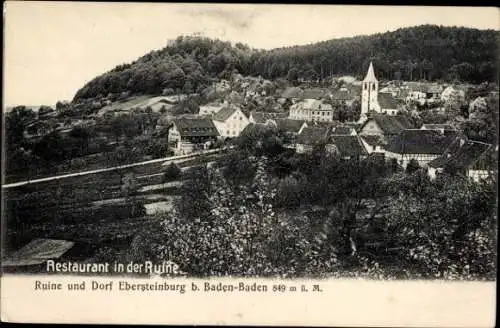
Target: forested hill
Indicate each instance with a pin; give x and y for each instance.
(423, 52)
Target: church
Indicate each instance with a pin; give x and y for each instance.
(372, 100)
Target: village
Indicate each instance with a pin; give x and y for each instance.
(328, 166)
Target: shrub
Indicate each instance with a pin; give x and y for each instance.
(172, 172)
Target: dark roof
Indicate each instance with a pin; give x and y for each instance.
(438, 127)
(387, 101)
(288, 125)
(415, 141)
(425, 87)
(467, 154)
(262, 117)
(192, 127)
(223, 114)
(348, 145)
(312, 135)
(392, 124)
(373, 140)
(341, 130)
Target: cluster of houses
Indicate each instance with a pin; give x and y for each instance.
(381, 130)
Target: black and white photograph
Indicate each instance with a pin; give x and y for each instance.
(249, 141)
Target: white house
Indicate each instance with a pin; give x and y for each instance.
(311, 110)
(230, 121)
(452, 91)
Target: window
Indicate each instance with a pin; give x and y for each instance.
(241, 118)
(373, 86)
(227, 132)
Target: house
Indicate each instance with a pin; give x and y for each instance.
(289, 129)
(343, 130)
(385, 125)
(311, 110)
(292, 93)
(388, 104)
(438, 127)
(343, 97)
(209, 109)
(310, 137)
(452, 91)
(474, 159)
(265, 117)
(346, 146)
(420, 145)
(372, 100)
(425, 92)
(373, 143)
(230, 121)
(477, 104)
(189, 134)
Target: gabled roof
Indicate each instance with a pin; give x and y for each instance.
(312, 135)
(370, 75)
(342, 130)
(348, 145)
(416, 141)
(288, 125)
(193, 127)
(312, 104)
(391, 124)
(467, 154)
(225, 113)
(373, 140)
(263, 117)
(387, 101)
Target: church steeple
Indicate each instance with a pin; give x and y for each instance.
(369, 94)
(370, 75)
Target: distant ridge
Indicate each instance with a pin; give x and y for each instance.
(429, 52)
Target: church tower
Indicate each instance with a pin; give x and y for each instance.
(369, 93)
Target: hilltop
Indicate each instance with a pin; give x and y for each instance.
(190, 64)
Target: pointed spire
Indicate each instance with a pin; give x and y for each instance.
(370, 76)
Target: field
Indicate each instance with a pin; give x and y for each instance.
(91, 210)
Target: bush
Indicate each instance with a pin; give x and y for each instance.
(172, 172)
(412, 166)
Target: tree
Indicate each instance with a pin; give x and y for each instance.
(293, 75)
(129, 189)
(412, 166)
(172, 172)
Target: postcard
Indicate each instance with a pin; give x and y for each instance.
(249, 164)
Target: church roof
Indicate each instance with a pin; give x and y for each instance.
(370, 75)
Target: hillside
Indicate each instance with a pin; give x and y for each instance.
(423, 52)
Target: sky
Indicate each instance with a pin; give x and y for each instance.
(51, 49)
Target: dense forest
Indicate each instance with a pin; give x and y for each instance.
(426, 52)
